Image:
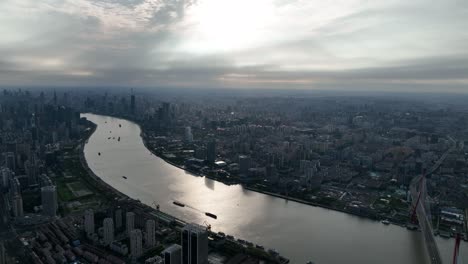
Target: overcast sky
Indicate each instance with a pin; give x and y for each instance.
(392, 45)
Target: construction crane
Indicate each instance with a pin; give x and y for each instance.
(156, 205)
(208, 226)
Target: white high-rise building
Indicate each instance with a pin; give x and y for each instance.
(188, 134)
(130, 222)
(108, 226)
(136, 247)
(89, 221)
(49, 200)
(150, 229)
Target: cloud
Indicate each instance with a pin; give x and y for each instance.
(339, 44)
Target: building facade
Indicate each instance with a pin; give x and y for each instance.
(194, 244)
(136, 247)
(150, 228)
(49, 200)
(89, 221)
(172, 254)
(130, 222)
(108, 226)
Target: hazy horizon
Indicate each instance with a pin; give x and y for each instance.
(356, 45)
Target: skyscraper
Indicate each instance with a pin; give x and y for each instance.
(130, 222)
(17, 205)
(211, 150)
(244, 165)
(55, 97)
(194, 244)
(108, 226)
(132, 104)
(188, 134)
(118, 218)
(15, 186)
(136, 248)
(2, 253)
(10, 160)
(172, 254)
(31, 171)
(150, 229)
(49, 200)
(166, 108)
(89, 221)
(6, 175)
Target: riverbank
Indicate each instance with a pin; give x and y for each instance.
(366, 215)
(125, 201)
(103, 185)
(289, 198)
(250, 188)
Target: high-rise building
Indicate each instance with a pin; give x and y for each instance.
(6, 175)
(108, 226)
(188, 134)
(118, 218)
(194, 244)
(55, 97)
(44, 180)
(130, 222)
(10, 160)
(132, 104)
(165, 113)
(136, 247)
(211, 150)
(2, 253)
(272, 173)
(15, 186)
(244, 165)
(31, 171)
(150, 228)
(89, 221)
(17, 205)
(172, 254)
(49, 200)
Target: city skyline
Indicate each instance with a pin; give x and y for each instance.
(135, 177)
(233, 132)
(336, 45)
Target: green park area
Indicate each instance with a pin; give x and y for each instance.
(75, 187)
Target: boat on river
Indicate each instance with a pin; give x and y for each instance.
(211, 215)
(179, 203)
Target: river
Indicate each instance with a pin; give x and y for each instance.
(299, 232)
